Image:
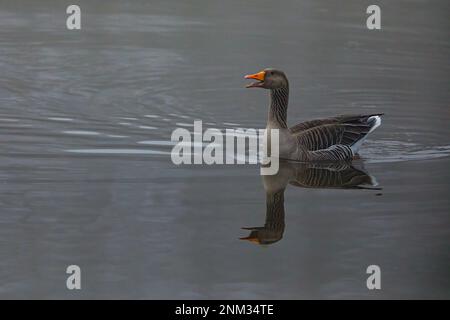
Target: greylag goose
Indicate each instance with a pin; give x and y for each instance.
(337, 175)
(332, 139)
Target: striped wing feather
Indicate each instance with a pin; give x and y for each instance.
(324, 133)
(355, 119)
(325, 136)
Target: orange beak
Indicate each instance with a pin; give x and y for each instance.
(257, 76)
(260, 76)
(251, 239)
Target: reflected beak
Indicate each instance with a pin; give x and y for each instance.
(251, 239)
(257, 76)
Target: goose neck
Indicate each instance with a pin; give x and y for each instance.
(279, 99)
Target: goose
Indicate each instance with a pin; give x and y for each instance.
(331, 139)
(321, 175)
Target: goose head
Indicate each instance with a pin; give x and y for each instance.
(268, 79)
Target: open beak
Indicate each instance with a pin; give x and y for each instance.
(257, 76)
(251, 239)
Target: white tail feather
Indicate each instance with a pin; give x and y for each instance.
(377, 122)
(355, 147)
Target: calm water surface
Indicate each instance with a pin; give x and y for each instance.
(85, 170)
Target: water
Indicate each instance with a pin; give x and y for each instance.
(85, 171)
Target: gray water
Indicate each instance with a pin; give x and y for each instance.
(86, 176)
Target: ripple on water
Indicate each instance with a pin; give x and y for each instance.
(182, 124)
(116, 136)
(129, 118)
(178, 115)
(9, 120)
(117, 151)
(81, 132)
(147, 127)
(164, 143)
(384, 151)
(60, 119)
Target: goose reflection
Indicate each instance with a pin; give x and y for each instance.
(304, 175)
